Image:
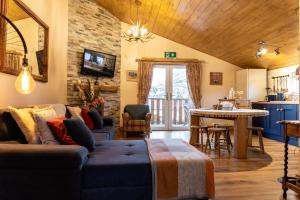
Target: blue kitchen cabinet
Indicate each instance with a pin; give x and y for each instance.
(277, 112)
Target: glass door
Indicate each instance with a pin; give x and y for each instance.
(169, 98)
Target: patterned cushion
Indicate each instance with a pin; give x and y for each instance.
(137, 128)
(136, 123)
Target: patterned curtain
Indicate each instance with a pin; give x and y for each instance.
(3, 10)
(194, 79)
(145, 72)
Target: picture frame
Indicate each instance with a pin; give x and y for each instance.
(132, 75)
(216, 78)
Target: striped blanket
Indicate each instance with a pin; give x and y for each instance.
(180, 171)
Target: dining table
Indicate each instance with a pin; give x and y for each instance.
(240, 118)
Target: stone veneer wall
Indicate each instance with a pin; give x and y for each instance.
(92, 27)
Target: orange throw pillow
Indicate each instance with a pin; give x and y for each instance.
(59, 130)
(86, 118)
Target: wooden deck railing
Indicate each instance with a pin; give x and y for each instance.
(159, 109)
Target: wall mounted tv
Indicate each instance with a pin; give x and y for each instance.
(98, 63)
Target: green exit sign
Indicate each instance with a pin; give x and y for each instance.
(170, 54)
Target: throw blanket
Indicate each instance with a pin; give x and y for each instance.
(180, 171)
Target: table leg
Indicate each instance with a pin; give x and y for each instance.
(240, 145)
(194, 129)
(285, 174)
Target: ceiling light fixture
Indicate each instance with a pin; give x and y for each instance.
(262, 49)
(137, 31)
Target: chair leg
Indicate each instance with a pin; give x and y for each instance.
(217, 143)
(249, 138)
(228, 141)
(261, 143)
(201, 139)
(207, 142)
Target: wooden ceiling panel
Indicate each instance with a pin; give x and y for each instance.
(229, 30)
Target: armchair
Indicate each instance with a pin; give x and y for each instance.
(136, 118)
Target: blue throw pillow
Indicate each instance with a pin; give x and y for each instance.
(96, 118)
(80, 133)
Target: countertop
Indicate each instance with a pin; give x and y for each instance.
(276, 102)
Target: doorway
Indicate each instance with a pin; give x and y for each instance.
(169, 99)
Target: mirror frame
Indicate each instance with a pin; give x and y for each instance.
(44, 76)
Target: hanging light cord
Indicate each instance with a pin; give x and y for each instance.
(25, 60)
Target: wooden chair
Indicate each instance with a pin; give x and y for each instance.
(202, 129)
(219, 142)
(259, 131)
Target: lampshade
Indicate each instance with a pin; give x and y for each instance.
(25, 83)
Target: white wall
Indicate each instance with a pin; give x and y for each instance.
(55, 15)
(155, 49)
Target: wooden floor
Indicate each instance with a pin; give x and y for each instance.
(254, 178)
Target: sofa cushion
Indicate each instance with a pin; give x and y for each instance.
(75, 112)
(118, 163)
(97, 118)
(9, 130)
(86, 118)
(41, 117)
(59, 130)
(80, 133)
(26, 123)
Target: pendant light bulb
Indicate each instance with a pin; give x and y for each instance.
(25, 83)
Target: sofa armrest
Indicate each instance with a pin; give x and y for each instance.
(27, 156)
(126, 118)
(109, 121)
(148, 118)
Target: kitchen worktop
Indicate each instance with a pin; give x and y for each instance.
(277, 102)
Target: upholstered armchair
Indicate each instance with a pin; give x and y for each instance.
(136, 119)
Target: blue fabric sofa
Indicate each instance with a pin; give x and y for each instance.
(115, 170)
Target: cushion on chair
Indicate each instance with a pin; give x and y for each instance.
(136, 123)
(137, 112)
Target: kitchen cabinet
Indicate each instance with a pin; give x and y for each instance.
(277, 112)
(252, 82)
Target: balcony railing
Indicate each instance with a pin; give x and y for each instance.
(158, 108)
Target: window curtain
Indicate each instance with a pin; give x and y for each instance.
(145, 72)
(3, 10)
(194, 79)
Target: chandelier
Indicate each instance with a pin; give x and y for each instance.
(137, 31)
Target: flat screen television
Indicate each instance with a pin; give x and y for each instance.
(98, 63)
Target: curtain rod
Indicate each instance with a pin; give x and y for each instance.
(169, 60)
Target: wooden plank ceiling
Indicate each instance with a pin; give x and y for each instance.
(226, 29)
(14, 12)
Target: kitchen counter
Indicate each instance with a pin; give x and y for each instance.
(276, 102)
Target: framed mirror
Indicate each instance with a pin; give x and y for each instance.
(35, 33)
